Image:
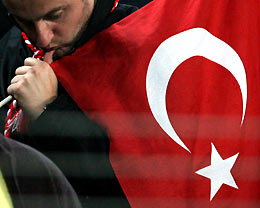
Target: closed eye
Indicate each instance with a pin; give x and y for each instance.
(55, 16)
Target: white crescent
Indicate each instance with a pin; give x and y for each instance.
(175, 50)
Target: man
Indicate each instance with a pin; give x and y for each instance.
(58, 127)
(29, 179)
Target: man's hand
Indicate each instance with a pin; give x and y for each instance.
(34, 86)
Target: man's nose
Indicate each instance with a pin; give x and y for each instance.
(44, 34)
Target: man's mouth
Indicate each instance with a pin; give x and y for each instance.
(51, 49)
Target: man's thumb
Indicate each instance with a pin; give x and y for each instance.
(48, 57)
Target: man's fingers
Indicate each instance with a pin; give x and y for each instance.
(11, 89)
(22, 70)
(31, 62)
(16, 79)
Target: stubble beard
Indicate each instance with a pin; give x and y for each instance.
(70, 48)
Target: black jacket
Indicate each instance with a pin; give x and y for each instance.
(32, 179)
(77, 145)
(4, 21)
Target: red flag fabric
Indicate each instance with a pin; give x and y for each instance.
(177, 86)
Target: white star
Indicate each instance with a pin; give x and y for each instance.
(219, 171)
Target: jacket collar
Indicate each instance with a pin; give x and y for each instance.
(97, 21)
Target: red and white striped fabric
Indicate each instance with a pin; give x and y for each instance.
(115, 5)
(15, 119)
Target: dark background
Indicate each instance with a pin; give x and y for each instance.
(138, 3)
(4, 23)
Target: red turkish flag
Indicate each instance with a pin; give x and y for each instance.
(177, 85)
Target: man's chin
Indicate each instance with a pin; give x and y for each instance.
(60, 52)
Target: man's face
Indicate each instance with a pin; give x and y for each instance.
(51, 24)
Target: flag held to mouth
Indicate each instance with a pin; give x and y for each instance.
(176, 85)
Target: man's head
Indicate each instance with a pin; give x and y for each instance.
(51, 24)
